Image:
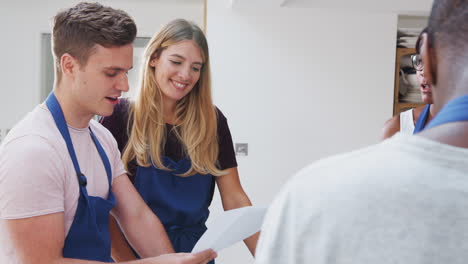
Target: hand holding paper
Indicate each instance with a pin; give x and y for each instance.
(232, 226)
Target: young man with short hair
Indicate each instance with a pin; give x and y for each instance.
(60, 171)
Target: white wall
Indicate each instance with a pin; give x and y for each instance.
(24, 21)
(412, 21)
(413, 7)
(297, 85)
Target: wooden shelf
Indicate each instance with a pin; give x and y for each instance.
(405, 51)
(400, 107)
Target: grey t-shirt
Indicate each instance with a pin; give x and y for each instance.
(401, 201)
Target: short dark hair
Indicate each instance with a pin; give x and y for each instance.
(418, 42)
(448, 24)
(78, 29)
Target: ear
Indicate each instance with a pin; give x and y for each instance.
(68, 64)
(153, 62)
(429, 59)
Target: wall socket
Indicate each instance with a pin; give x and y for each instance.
(242, 149)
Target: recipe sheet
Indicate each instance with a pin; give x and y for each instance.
(231, 227)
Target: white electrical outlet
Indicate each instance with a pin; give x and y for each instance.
(242, 149)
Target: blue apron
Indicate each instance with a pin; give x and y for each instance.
(181, 203)
(421, 122)
(454, 111)
(88, 238)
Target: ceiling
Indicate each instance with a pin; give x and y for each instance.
(413, 7)
(165, 1)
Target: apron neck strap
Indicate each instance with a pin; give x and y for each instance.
(421, 122)
(57, 113)
(454, 111)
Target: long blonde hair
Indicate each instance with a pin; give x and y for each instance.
(196, 121)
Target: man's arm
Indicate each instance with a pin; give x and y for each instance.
(120, 250)
(32, 183)
(141, 226)
(40, 240)
(233, 196)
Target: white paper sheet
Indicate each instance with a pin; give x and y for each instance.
(231, 227)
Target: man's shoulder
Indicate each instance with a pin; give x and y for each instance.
(29, 153)
(371, 175)
(100, 131)
(38, 125)
(104, 136)
(28, 146)
(339, 162)
(340, 172)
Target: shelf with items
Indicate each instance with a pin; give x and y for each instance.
(402, 62)
(400, 107)
(408, 28)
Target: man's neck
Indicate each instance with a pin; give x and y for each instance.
(74, 115)
(454, 134)
(432, 113)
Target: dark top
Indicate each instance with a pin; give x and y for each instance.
(117, 124)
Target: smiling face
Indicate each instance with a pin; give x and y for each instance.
(177, 70)
(98, 84)
(424, 87)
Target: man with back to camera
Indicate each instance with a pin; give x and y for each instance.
(60, 171)
(400, 201)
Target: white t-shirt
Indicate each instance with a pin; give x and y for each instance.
(404, 200)
(37, 176)
(407, 122)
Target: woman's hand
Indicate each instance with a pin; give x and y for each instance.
(186, 258)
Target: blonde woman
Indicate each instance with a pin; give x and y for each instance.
(176, 144)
